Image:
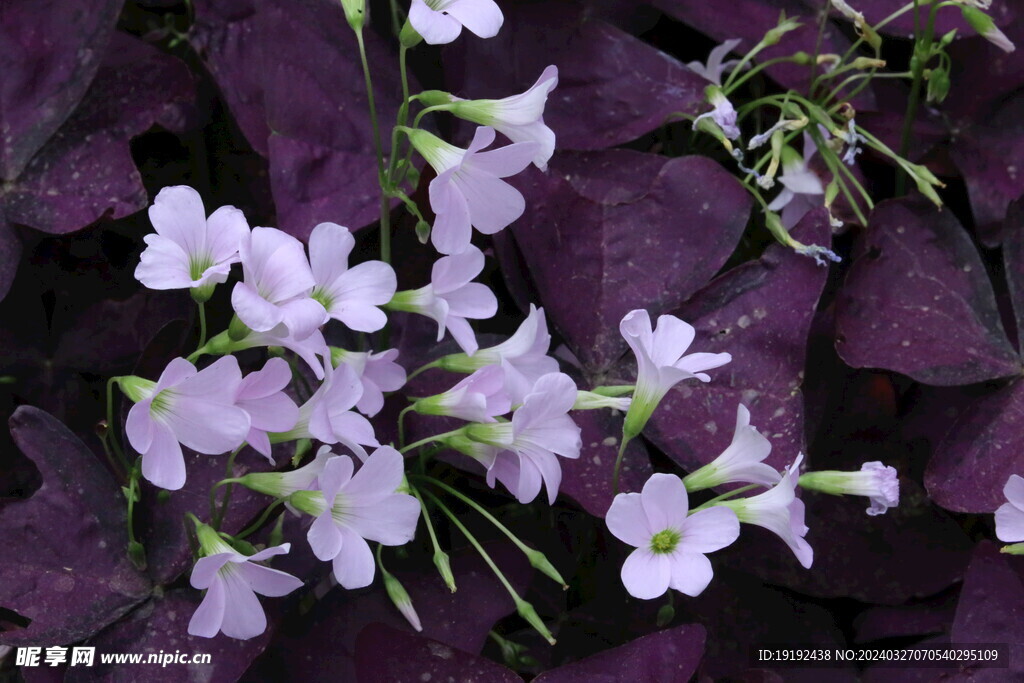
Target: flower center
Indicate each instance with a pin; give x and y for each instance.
(161, 403)
(197, 265)
(321, 296)
(665, 541)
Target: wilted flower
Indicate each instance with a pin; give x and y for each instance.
(261, 395)
(189, 249)
(802, 189)
(441, 21)
(277, 284)
(350, 295)
(660, 362)
(723, 113)
(184, 406)
(740, 462)
(875, 481)
(232, 581)
(452, 297)
(351, 509)
(670, 546)
(468, 191)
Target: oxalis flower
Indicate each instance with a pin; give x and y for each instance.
(722, 112)
(277, 284)
(520, 117)
(452, 297)
(378, 372)
(661, 363)
(189, 249)
(468, 191)
(523, 356)
(671, 546)
(1010, 515)
(185, 406)
(351, 509)
(715, 67)
(441, 21)
(879, 483)
(477, 398)
(525, 448)
(232, 581)
(740, 462)
(350, 295)
(284, 484)
(779, 511)
(802, 189)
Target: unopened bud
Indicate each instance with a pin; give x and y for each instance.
(401, 600)
(444, 568)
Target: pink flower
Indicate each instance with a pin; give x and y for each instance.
(540, 429)
(441, 21)
(715, 67)
(670, 545)
(660, 362)
(378, 373)
(185, 406)
(189, 249)
(284, 484)
(350, 295)
(520, 117)
(278, 281)
(802, 189)
(351, 509)
(232, 581)
(312, 349)
(261, 395)
(740, 462)
(779, 511)
(477, 398)
(468, 191)
(722, 112)
(1010, 515)
(452, 297)
(328, 416)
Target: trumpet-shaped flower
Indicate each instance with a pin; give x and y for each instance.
(671, 545)
(477, 398)
(184, 406)
(378, 373)
(779, 511)
(277, 284)
(350, 295)
(802, 189)
(520, 117)
(261, 395)
(328, 416)
(540, 429)
(452, 297)
(441, 21)
(284, 484)
(878, 483)
(742, 461)
(351, 509)
(523, 356)
(715, 67)
(189, 249)
(1010, 515)
(660, 362)
(232, 581)
(468, 191)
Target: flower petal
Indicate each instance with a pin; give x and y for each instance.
(253, 310)
(324, 537)
(163, 464)
(709, 530)
(691, 573)
(354, 566)
(628, 522)
(243, 613)
(452, 228)
(665, 502)
(646, 575)
(209, 616)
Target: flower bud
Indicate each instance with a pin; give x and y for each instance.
(402, 601)
(355, 13)
(237, 330)
(135, 388)
(986, 28)
(588, 400)
(877, 482)
(444, 568)
(409, 37)
(527, 612)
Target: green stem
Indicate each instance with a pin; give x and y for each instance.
(202, 326)
(112, 427)
(756, 69)
(422, 369)
(219, 516)
(724, 496)
(922, 53)
(262, 519)
(401, 425)
(385, 203)
(428, 521)
(618, 464)
(429, 439)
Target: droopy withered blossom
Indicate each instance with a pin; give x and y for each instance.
(671, 544)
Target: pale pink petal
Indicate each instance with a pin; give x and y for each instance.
(474, 300)
(451, 273)
(391, 520)
(550, 471)
(139, 426)
(502, 162)
(1009, 523)
(218, 382)
(163, 264)
(337, 472)
(378, 478)
(274, 413)
(691, 573)
(226, 229)
(436, 28)
(302, 317)
(493, 203)
(209, 616)
(277, 264)
(709, 530)
(665, 502)
(204, 573)
(646, 575)
(206, 426)
(260, 443)
(253, 310)
(537, 133)
(1014, 490)
(178, 214)
(482, 17)
(628, 522)
(530, 481)
(670, 340)
(349, 426)
(272, 378)
(463, 334)
(330, 245)
(176, 372)
(324, 537)
(243, 613)
(270, 582)
(163, 464)
(354, 566)
(452, 229)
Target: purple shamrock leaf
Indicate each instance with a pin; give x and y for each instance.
(384, 653)
(917, 300)
(669, 655)
(761, 313)
(624, 230)
(612, 87)
(65, 566)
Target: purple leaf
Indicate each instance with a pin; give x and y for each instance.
(10, 255)
(990, 609)
(588, 479)
(65, 564)
(51, 50)
(387, 654)
(624, 230)
(917, 300)
(304, 109)
(761, 313)
(1013, 259)
(669, 655)
(86, 170)
(934, 616)
(612, 88)
(160, 627)
(985, 446)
